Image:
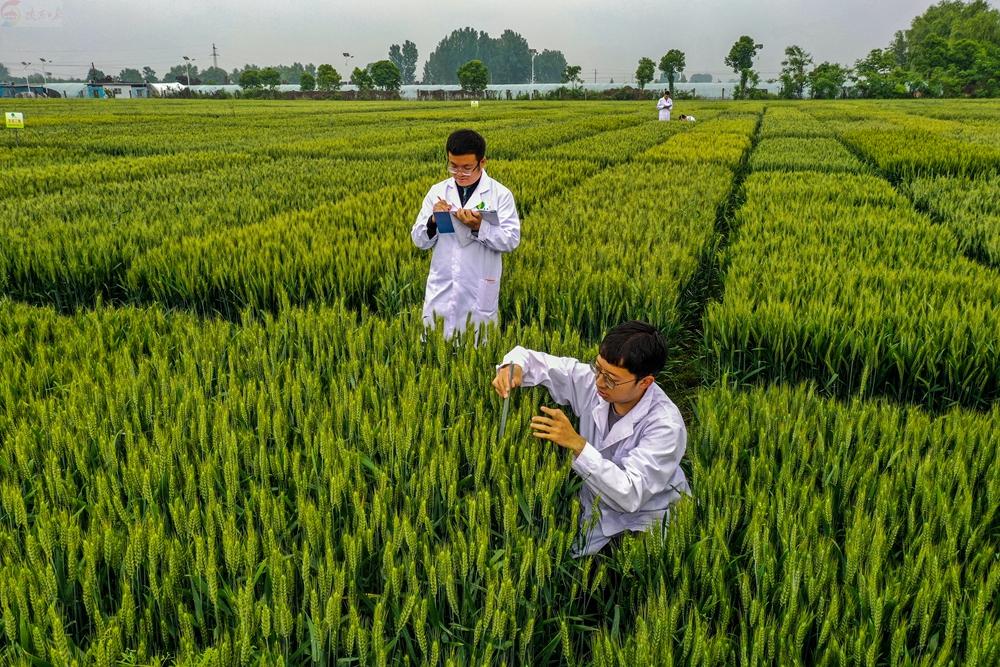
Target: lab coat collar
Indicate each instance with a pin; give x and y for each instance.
(626, 425)
(485, 185)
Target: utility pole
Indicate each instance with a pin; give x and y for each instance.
(215, 57)
(595, 75)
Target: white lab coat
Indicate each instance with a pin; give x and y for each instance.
(635, 469)
(665, 106)
(464, 278)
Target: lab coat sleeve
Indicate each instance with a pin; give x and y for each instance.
(568, 381)
(646, 470)
(505, 236)
(419, 231)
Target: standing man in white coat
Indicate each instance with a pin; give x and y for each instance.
(632, 436)
(665, 105)
(464, 281)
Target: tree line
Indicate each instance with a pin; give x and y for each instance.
(952, 49)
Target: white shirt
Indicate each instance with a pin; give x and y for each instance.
(464, 279)
(665, 105)
(634, 469)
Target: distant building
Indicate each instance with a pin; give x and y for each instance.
(117, 90)
(9, 90)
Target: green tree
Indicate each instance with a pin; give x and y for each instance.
(826, 80)
(307, 82)
(951, 49)
(214, 76)
(507, 57)
(149, 75)
(474, 76)
(572, 75)
(405, 58)
(270, 78)
(645, 72)
(740, 59)
(94, 74)
(701, 78)
(900, 48)
(459, 47)
(328, 79)
(877, 75)
(361, 79)
(130, 75)
(250, 79)
(385, 75)
(549, 66)
(671, 64)
(179, 74)
(793, 72)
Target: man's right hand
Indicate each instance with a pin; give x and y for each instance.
(441, 205)
(503, 383)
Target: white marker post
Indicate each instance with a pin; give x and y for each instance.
(14, 120)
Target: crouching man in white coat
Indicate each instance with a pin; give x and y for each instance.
(632, 436)
(464, 280)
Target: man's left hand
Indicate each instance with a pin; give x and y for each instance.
(469, 218)
(556, 427)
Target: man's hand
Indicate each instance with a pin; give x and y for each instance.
(442, 205)
(503, 383)
(469, 218)
(557, 428)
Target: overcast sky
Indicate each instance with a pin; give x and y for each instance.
(604, 35)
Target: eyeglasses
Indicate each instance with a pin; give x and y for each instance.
(462, 172)
(603, 378)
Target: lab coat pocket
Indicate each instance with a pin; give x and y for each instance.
(489, 295)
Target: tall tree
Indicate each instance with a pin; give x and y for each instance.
(362, 79)
(179, 74)
(572, 75)
(740, 59)
(793, 72)
(308, 82)
(452, 52)
(473, 76)
(876, 75)
(645, 72)
(671, 64)
(396, 56)
(549, 66)
(507, 57)
(149, 75)
(5, 73)
(250, 79)
(328, 79)
(96, 75)
(130, 75)
(386, 75)
(270, 78)
(826, 80)
(405, 58)
(410, 58)
(952, 49)
(215, 76)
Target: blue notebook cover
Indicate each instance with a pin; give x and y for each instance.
(444, 224)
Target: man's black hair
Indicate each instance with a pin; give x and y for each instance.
(636, 346)
(466, 142)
